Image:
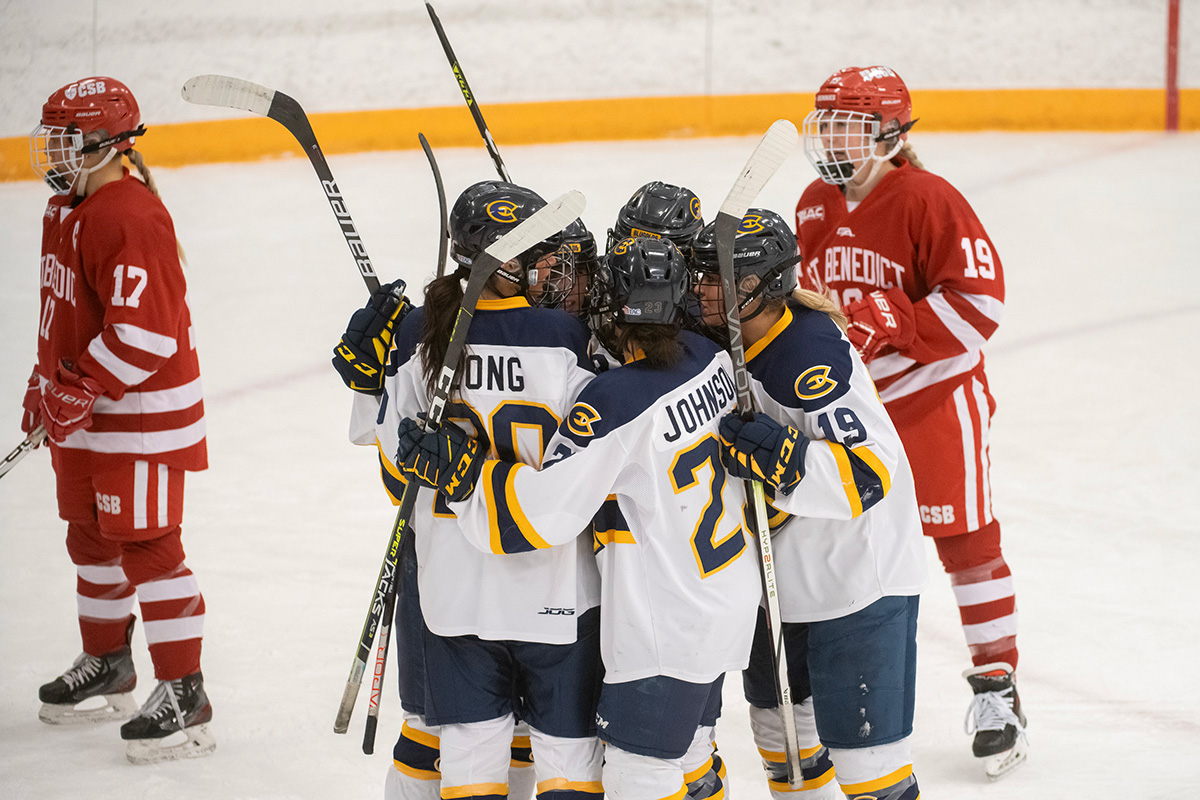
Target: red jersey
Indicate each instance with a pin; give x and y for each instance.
(114, 302)
(913, 231)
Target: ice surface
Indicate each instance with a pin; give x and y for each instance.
(1094, 453)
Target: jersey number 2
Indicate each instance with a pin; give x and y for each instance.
(711, 554)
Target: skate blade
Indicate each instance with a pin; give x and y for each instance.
(114, 708)
(192, 742)
(999, 765)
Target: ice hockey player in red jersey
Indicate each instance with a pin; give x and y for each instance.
(921, 283)
(117, 388)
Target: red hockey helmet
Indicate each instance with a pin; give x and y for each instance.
(70, 114)
(856, 109)
(871, 90)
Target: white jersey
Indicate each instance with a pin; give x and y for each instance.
(638, 458)
(524, 368)
(858, 533)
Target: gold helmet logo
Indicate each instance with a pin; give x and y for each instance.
(502, 211)
(695, 207)
(751, 223)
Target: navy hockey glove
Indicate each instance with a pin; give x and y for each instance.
(360, 355)
(447, 459)
(763, 450)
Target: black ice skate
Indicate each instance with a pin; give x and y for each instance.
(94, 689)
(996, 719)
(172, 723)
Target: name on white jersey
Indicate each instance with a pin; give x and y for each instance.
(700, 406)
(494, 373)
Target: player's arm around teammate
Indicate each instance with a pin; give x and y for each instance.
(639, 454)
(851, 564)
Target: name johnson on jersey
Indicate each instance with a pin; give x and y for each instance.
(700, 406)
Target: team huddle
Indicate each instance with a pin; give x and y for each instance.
(580, 572)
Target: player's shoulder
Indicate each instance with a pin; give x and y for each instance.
(806, 361)
(620, 395)
(929, 187)
(123, 209)
(515, 323)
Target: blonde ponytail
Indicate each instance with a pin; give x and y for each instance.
(910, 155)
(818, 301)
(139, 163)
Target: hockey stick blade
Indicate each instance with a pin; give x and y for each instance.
(443, 225)
(226, 92)
(770, 153)
(23, 449)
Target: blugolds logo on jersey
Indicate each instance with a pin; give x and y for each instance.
(502, 211)
(815, 382)
(695, 207)
(582, 419)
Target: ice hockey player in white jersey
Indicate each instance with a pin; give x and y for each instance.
(639, 455)
(850, 566)
(492, 639)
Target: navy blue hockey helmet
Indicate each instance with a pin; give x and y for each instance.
(488, 210)
(764, 246)
(662, 211)
(641, 281)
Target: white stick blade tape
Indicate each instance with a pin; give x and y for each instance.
(772, 150)
(219, 90)
(551, 219)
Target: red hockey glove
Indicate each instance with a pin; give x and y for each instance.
(360, 356)
(763, 450)
(447, 459)
(32, 404)
(881, 319)
(67, 402)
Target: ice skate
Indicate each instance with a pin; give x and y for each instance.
(94, 689)
(172, 723)
(996, 719)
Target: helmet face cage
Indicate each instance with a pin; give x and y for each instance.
(838, 143)
(549, 271)
(582, 245)
(661, 211)
(55, 153)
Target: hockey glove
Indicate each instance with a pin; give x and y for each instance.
(881, 319)
(447, 459)
(360, 355)
(32, 404)
(67, 402)
(763, 450)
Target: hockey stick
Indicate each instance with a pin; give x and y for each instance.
(219, 90)
(779, 140)
(465, 88)
(547, 221)
(441, 193)
(31, 442)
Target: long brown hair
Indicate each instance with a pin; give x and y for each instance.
(659, 343)
(443, 299)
